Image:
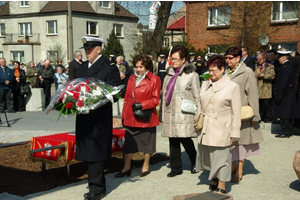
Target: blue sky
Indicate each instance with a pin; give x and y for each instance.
(141, 8)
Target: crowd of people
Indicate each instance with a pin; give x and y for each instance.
(267, 83)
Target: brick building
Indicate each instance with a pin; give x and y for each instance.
(218, 25)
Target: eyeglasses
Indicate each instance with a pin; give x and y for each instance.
(229, 57)
(175, 59)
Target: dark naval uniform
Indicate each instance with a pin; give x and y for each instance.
(161, 72)
(285, 97)
(94, 130)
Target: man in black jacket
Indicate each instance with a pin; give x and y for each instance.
(94, 130)
(46, 79)
(248, 60)
(73, 66)
(285, 95)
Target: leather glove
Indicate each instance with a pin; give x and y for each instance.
(136, 106)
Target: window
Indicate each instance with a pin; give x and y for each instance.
(25, 29)
(24, 4)
(219, 16)
(18, 56)
(2, 29)
(91, 28)
(287, 10)
(52, 27)
(104, 4)
(52, 55)
(289, 46)
(166, 42)
(118, 28)
(1, 54)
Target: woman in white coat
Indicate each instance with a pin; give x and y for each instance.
(222, 120)
(181, 81)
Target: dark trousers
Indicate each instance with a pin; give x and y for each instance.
(175, 152)
(265, 109)
(286, 126)
(19, 100)
(5, 97)
(47, 92)
(96, 178)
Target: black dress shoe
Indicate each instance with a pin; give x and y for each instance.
(193, 169)
(282, 136)
(93, 196)
(172, 174)
(121, 174)
(214, 187)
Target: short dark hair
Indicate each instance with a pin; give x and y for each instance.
(244, 47)
(181, 50)
(235, 51)
(217, 60)
(17, 63)
(273, 51)
(146, 61)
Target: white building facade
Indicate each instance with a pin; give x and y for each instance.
(35, 30)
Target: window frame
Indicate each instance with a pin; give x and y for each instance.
(20, 58)
(2, 30)
(122, 30)
(55, 27)
(281, 12)
(102, 6)
(88, 28)
(23, 4)
(24, 33)
(166, 42)
(217, 9)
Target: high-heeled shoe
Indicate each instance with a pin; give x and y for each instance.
(236, 179)
(121, 174)
(213, 187)
(144, 173)
(219, 190)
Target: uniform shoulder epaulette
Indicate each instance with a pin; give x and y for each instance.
(112, 63)
(109, 62)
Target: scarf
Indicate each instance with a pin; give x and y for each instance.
(231, 71)
(17, 73)
(171, 85)
(139, 78)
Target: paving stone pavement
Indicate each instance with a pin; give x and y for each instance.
(267, 176)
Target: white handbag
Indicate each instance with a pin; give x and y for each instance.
(188, 106)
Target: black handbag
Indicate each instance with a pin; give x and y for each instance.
(143, 114)
(39, 83)
(24, 89)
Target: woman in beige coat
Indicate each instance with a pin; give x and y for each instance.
(181, 81)
(250, 130)
(221, 98)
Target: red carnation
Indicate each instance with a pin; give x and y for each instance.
(75, 96)
(87, 82)
(77, 88)
(69, 105)
(80, 103)
(87, 89)
(95, 86)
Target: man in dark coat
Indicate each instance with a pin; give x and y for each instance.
(46, 74)
(6, 85)
(74, 65)
(162, 71)
(94, 130)
(285, 95)
(248, 60)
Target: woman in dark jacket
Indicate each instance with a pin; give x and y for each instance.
(20, 80)
(142, 93)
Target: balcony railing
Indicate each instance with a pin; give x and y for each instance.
(12, 38)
